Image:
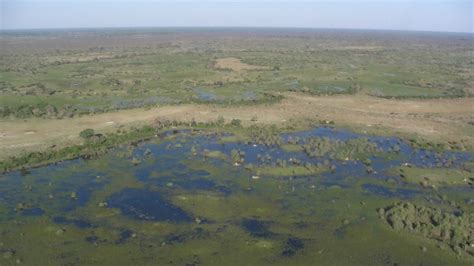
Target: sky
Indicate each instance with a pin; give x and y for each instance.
(420, 15)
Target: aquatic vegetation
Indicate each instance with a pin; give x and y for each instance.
(147, 205)
(196, 233)
(420, 143)
(389, 192)
(124, 235)
(292, 246)
(268, 136)
(77, 222)
(256, 228)
(434, 177)
(237, 156)
(288, 170)
(214, 154)
(341, 150)
(32, 212)
(189, 190)
(455, 230)
(292, 147)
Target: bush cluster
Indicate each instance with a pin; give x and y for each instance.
(268, 136)
(338, 149)
(457, 231)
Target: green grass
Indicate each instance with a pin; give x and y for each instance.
(287, 171)
(434, 176)
(170, 71)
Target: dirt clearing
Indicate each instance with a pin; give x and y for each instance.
(439, 120)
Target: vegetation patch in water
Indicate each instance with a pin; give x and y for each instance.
(77, 222)
(419, 143)
(457, 231)
(434, 177)
(196, 233)
(358, 148)
(32, 212)
(292, 148)
(292, 246)
(268, 136)
(214, 154)
(147, 205)
(256, 228)
(293, 170)
(389, 192)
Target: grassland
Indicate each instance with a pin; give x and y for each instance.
(53, 84)
(68, 74)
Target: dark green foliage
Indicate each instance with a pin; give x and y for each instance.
(457, 231)
(236, 123)
(267, 136)
(237, 156)
(87, 133)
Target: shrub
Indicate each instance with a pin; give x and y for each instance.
(220, 121)
(236, 122)
(87, 133)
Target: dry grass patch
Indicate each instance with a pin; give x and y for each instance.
(236, 65)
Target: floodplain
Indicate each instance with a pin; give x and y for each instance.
(236, 146)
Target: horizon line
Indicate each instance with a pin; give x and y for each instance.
(226, 27)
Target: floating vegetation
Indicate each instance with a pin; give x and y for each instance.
(454, 230)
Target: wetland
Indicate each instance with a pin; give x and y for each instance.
(236, 147)
(214, 196)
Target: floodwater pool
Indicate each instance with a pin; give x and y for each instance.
(182, 200)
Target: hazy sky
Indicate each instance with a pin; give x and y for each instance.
(430, 15)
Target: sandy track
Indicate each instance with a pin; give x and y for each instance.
(440, 119)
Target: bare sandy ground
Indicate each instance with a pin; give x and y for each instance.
(438, 119)
(235, 65)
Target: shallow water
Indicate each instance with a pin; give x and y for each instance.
(205, 95)
(176, 207)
